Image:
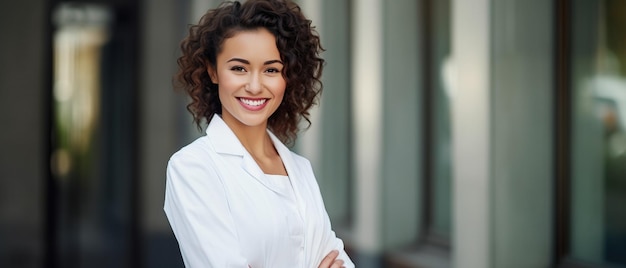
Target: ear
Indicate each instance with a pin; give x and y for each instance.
(212, 74)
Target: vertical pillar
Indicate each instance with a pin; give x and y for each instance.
(367, 95)
(471, 108)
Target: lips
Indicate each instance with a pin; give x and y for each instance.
(253, 104)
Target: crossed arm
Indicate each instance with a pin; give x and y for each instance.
(197, 213)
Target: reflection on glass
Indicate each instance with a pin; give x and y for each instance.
(91, 231)
(598, 217)
(441, 135)
(77, 47)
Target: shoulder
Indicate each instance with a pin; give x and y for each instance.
(304, 168)
(300, 161)
(194, 156)
(200, 146)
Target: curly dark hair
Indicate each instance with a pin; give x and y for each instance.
(296, 40)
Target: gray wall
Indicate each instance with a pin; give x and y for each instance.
(23, 138)
(522, 130)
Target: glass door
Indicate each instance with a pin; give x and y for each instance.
(93, 163)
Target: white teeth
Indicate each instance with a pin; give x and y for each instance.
(253, 102)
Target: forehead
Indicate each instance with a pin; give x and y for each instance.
(250, 43)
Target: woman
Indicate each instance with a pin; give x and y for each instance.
(238, 197)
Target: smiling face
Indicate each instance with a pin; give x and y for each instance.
(249, 76)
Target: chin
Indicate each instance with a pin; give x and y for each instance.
(252, 121)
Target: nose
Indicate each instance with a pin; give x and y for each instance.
(254, 84)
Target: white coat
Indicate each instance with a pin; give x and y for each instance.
(224, 213)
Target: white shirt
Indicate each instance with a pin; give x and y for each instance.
(226, 213)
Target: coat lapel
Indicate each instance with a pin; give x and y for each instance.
(226, 142)
(294, 172)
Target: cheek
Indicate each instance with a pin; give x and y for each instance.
(221, 95)
(280, 87)
(279, 92)
(229, 81)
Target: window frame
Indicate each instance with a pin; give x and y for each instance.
(429, 248)
(563, 137)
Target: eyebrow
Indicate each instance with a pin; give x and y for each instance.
(248, 62)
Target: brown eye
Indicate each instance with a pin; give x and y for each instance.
(273, 70)
(237, 69)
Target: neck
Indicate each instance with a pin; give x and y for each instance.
(255, 139)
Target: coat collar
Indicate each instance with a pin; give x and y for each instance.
(224, 141)
(223, 138)
(230, 144)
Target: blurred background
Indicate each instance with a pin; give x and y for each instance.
(451, 133)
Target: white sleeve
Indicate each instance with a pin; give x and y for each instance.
(342, 253)
(331, 241)
(337, 243)
(197, 209)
